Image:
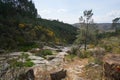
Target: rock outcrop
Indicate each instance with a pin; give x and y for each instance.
(38, 73)
(112, 67)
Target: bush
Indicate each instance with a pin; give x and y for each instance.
(22, 61)
(85, 54)
(95, 60)
(98, 61)
(44, 53)
(91, 46)
(116, 50)
(80, 53)
(28, 64)
(111, 44)
(70, 57)
(108, 47)
(27, 46)
(74, 51)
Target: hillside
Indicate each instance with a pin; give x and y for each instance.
(100, 26)
(64, 32)
(20, 27)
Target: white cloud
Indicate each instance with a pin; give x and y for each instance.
(108, 17)
(61, 10)
(45, 11)
(67, 17)
(114, 13)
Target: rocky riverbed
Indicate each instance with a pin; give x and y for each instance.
(53, 67)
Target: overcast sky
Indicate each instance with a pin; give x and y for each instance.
(69, 11)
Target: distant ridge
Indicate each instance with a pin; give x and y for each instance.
(101, 26)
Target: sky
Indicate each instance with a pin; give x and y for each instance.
(69, 11)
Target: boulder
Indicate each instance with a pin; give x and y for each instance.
(112, 67)
(58, 75)
(50, 57)
(38, 73)
(35, 50)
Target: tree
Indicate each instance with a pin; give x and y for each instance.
(87, 29)
(116, 24)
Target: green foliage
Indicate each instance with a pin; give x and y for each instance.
(28, 64)
(24, 56)
(19, 26)
(80, 52)
(85, 54)
(19, 64)
(63, 33)
(70, 57)
(22, 61)
(87, 31)
(94, 72)
(111, 44)
(44, 53)
(27, 46)
(74, 51)
(116, 25)
(98, 61)
(17, 7)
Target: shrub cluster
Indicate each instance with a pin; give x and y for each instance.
(44, 53)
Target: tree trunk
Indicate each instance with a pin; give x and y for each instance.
(85, 48)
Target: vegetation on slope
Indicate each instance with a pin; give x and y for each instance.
(20, 27)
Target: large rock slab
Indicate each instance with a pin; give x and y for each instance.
(38, 73)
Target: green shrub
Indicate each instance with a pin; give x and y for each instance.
(22, 61)
(28, 64)
(108, 47)
(80, 52)
(95, 60)
(44, 53)
(19, 64)
(74, 50)
(116, 50)
(27, 46)
(94, 72)
(70, 57)
(111, 44)
(98, 61)
(85, 54)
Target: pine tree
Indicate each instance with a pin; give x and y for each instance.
(86, 31)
